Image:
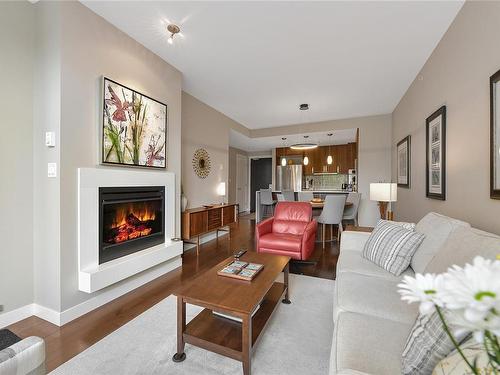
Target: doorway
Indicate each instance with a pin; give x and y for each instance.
(242, 182)
(261, 177)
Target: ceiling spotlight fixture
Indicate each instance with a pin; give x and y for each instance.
(173, 30)
(304, 107)
(304, 145)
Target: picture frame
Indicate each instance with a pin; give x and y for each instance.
(134, 128)
(495, 136)
(436, 155)
(403, 155)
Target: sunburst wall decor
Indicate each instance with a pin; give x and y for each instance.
(201, 163)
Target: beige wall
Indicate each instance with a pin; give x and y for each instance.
(457, 75)
(204, 127)
(374, 159)
(17, 36)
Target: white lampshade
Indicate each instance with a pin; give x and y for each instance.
(221, 189)
(384, 192)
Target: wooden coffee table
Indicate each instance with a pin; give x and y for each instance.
(234, 297)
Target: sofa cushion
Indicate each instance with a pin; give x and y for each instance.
(281, 241)
(462, 246)
(436, 228)
(351, 240)
(353, 261)
(368, 344)
(391, 246)
(372, 296)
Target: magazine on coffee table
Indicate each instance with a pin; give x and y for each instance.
(238, 269)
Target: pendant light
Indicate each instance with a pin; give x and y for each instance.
(306, 160)
(329, 159)
(283, 158)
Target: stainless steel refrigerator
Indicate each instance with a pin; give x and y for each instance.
(289, 178)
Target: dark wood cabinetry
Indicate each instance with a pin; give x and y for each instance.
(344, 158)
(201, 220)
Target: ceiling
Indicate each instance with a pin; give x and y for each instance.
(245, 143)
(257, 61)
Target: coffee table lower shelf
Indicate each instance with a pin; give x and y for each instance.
(224, 336)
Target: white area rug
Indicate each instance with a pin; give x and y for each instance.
(297, 340)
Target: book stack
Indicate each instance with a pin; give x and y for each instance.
(238, 269)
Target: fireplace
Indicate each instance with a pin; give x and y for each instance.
(130, 219)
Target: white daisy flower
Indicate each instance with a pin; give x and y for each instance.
(423, 289)
(475, 289)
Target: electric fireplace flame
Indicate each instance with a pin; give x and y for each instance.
(129, 221)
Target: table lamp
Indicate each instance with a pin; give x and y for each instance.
(383, 193)
(221, 190)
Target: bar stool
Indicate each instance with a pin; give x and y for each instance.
(266, 200)
(305, 196)
(332, 213)
(289, 195)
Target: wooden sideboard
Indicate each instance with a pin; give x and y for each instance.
(202, 220)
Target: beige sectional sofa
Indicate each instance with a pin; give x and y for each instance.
(371, 322)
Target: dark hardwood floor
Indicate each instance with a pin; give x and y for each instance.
(63, 343)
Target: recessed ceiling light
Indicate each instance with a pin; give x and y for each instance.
(304, 107)
(173, 30)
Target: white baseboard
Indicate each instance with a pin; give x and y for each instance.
(11, 317)
(66, 316)
(118, 291)
(205, 238)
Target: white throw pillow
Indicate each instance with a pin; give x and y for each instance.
(391, 246)
(462, 246)
(436, 228)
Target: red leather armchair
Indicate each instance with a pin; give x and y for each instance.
(290, 232)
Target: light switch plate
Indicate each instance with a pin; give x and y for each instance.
(51, 170)
(50, 139)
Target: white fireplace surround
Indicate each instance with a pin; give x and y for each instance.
(94, 276)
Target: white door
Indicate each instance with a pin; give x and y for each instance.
(242, 182)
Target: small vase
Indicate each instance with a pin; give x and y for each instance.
(184, 203)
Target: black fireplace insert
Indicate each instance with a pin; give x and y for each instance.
(130, 219)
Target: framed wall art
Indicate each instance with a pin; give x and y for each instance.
(495, 136)
(134, 128)
(436, 155)
(404, 162)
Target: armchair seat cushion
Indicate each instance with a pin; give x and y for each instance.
(281, 241)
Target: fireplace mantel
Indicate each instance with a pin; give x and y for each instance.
(94, 276)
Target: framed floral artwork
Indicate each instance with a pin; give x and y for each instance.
(134, 128)
(404, 162)
(436, 155)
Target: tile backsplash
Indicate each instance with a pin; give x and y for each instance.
(328, 181)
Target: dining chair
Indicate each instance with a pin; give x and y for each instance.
(305, 196)
(267, 202)
(351, 213)
(289, 195)
(332, 213)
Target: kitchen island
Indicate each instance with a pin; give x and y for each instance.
(317, 194)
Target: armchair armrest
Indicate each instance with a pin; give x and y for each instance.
(308, 239)
(264, 227)
(310, 231)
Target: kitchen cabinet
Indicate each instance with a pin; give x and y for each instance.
(344, 158)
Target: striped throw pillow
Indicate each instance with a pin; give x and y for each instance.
(391, 246)
(427, 344)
